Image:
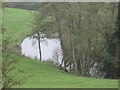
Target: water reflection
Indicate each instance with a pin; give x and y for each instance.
(48, 46)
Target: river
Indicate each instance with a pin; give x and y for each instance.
(50, 48)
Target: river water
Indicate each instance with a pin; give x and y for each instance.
(50, 48)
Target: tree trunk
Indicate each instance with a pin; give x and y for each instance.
(61, 42)
(39, 46)
(73, 54)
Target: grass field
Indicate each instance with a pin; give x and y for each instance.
(44, 75)
(48, 76)
(18, 23)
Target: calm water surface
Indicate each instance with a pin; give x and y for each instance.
(30, 49)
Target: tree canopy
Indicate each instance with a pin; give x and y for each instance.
(87, 32)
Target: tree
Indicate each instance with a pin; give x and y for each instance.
(84, 30)
(38, 35)
(57, 55)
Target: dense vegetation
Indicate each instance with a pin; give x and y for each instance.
(24, 5)
(87, 35)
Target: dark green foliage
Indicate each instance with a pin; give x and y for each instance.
(112, 45)
(110, 60)
(24, 5)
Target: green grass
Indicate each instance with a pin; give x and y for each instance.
(17, 23)
(48, 76)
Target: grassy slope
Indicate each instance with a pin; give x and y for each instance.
(44, 75)
(18, 24)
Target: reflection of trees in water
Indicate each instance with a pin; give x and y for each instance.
(30, 48)
(57, 55)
